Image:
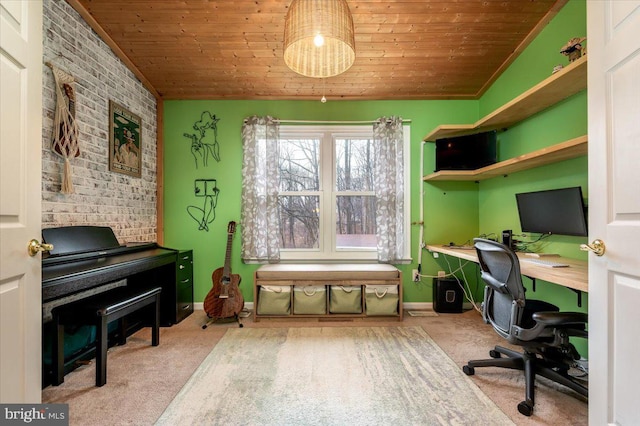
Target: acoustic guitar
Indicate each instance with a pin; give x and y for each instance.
(224, 299)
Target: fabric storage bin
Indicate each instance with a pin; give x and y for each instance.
(345, 299)
(311, 299)
(381, 299)
(274, 300)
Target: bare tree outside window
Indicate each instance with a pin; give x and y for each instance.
(299, 173)
(355, 199)
(340, 190)
(300, 203)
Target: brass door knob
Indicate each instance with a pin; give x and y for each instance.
(597, 247)
(35, 246)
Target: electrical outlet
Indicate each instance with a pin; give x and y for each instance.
(415, 275)
(441, 274)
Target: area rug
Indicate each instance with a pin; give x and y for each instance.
(330, 376)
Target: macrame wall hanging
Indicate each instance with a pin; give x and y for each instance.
(65, 128)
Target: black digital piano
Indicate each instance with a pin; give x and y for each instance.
(88, 260)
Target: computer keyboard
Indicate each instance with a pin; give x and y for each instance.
(545, 263)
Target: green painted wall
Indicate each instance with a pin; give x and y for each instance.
(568, 119)
(536, 62)
(181, 231)
(453, 211)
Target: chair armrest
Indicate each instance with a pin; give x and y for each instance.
(493, 283)
(560, 318)
(547, 322)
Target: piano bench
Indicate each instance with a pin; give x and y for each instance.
(100, 310)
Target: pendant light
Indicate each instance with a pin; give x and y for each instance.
(318, 38)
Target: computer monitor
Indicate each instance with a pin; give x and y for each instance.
(556, 211)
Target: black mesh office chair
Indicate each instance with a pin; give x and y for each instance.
(537, 326)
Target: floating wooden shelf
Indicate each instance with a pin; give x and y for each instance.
(567, 150)
(566, 82)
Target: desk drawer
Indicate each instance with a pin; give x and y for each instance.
(184, 305)
(184, 285)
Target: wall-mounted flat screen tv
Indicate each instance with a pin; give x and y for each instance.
(556, 211)
(468, 152)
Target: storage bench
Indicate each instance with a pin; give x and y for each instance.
(327, 290)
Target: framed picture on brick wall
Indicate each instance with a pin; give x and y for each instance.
(125, 141)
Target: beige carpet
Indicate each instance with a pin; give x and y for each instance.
(142, 380)
(330, 376)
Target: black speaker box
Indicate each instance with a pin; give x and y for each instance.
(447, 296)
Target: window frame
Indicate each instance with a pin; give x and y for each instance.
(327, 250)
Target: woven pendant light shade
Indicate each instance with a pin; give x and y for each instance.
(306, 19)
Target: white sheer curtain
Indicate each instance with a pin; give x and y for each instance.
(260, 222)
(389, 188)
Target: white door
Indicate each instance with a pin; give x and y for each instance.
(613, 44)
(20, 200)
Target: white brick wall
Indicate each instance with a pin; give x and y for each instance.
(100, 197)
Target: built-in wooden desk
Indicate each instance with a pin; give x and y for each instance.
(575, 277)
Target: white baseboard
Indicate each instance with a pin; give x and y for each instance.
(418, 306)
(407, 305)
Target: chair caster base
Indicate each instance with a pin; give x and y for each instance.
(469, 371)
(525, 408)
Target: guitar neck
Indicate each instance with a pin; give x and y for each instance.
(226, 271)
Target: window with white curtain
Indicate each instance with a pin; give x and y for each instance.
(326, 199)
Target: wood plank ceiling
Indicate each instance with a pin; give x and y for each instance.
(405, 49)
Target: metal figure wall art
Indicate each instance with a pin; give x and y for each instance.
(208, 189)
(204, 143)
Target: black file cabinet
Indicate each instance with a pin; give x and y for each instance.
(184, 285)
